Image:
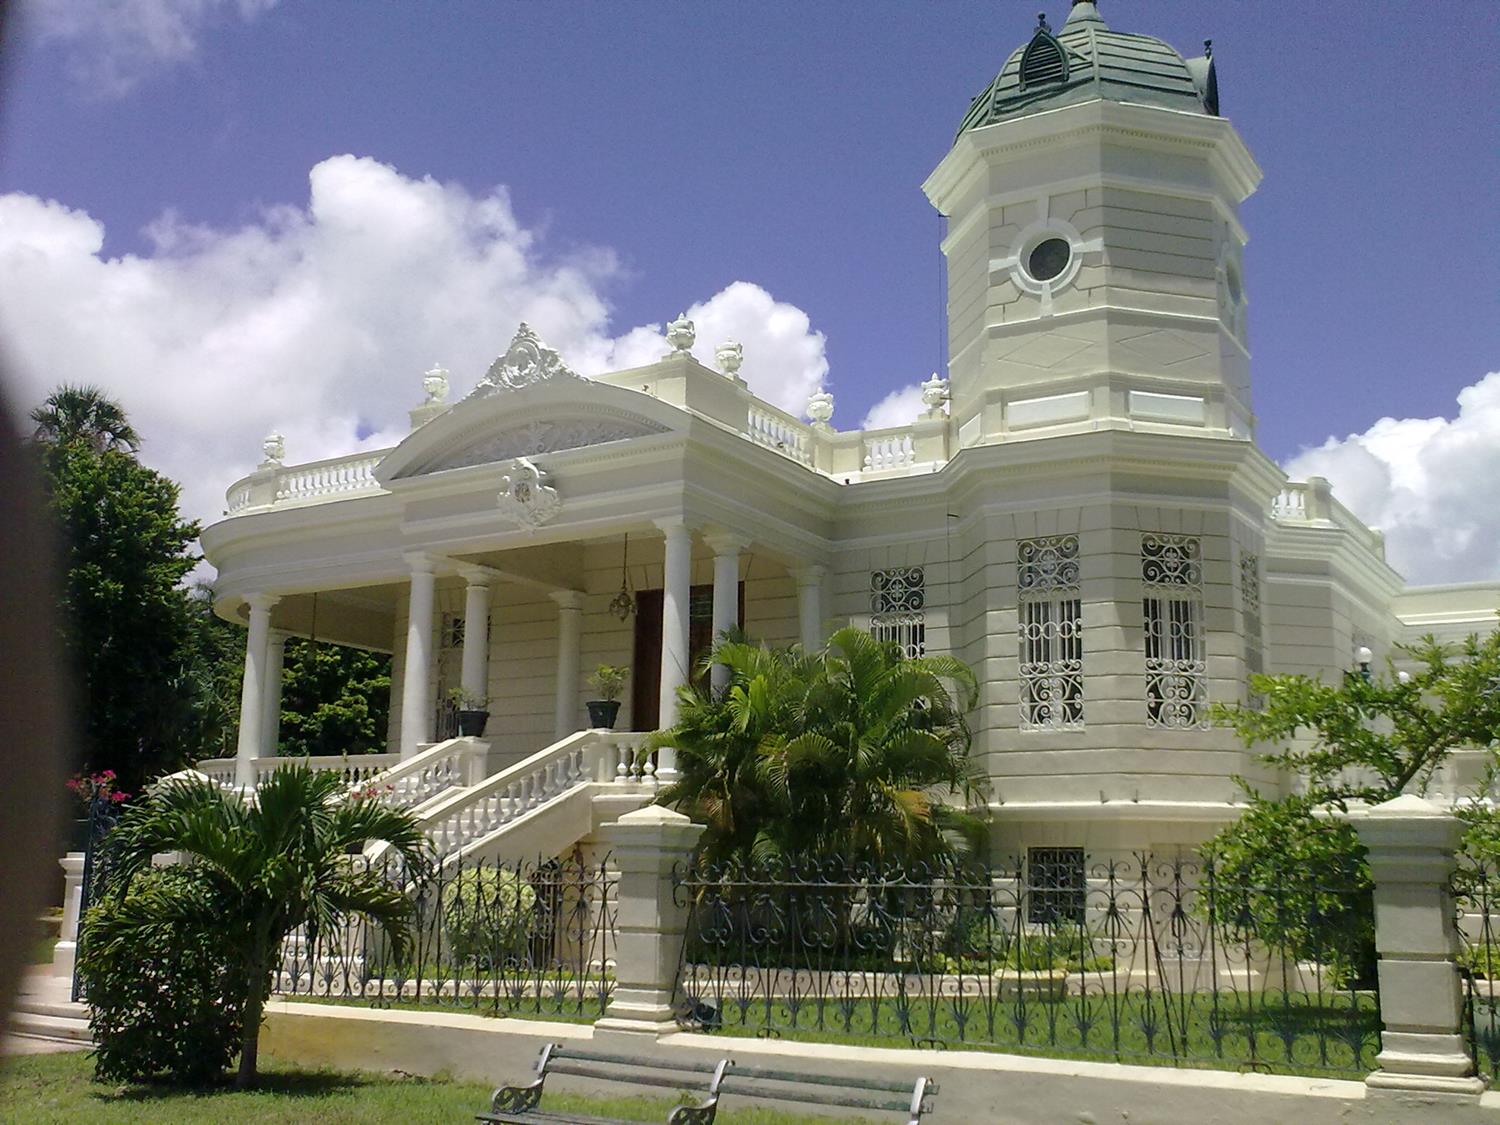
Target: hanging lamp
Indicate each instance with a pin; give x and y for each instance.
(623, 603)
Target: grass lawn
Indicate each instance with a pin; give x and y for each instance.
(60, 1090)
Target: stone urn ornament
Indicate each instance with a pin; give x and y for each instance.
(681, 334)
(274, 447)
(435, 386)
(729, 356)
(820, 409)
(934, 394)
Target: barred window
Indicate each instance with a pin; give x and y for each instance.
(1254, 631)
(1055, 886)
(1172, 605)
(453, 631)
(897, 598)
(1050, 633)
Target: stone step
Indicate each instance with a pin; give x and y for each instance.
(61, 1028)
(62, 1009)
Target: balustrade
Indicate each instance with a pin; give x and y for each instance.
(889, 451)
(1290, 503)
(779, 432)
(326, 478)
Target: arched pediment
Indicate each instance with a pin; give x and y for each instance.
(545, 417)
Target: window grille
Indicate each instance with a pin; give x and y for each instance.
(1056, 886)
(453, 631)
(1050, 633)
(1255, 642)
(1172, 605)
(897, 598)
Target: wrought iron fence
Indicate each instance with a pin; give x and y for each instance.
(534, 938)
(103, 815)
(1476, 895)
(1155, 960)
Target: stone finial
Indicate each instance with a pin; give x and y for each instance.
(274, 447)
(820, 408)
(435, 385)
(681, 334)
(934, 394)
(729, 356)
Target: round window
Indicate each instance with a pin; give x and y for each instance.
(1048, 258)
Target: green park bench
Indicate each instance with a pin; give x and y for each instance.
(521, 1105)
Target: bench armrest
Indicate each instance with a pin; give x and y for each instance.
(520, 1099)
(702, 1113)
(918, 1095)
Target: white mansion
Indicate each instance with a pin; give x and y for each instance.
(1082, 513)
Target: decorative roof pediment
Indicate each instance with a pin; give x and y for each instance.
(542, 435)
(525, 362)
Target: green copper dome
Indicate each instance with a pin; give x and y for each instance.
(1086, 61)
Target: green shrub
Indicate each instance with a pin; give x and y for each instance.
(486, 915)
(166, 1001)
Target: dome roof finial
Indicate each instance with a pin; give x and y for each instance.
(1041, 22)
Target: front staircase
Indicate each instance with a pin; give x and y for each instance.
(45, 1010)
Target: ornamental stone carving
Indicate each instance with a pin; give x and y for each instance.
(274, 448)
(547, 436)
(435, 386)
(934, 394)
(681, 334)
(525, 362)
(820, 408)
(525, 496)
(729, 356)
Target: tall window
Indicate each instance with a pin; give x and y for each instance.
(897, 598)
(1254, 632)
(1176, 660)
(1051, 633)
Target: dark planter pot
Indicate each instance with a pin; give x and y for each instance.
(78, 835)
(603, 713)
(471, 723)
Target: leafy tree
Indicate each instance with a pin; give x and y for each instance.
(334, 699)
(268, 867)
(847, 752)
(86, 415)
(127, 623)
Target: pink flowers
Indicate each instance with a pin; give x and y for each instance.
(87, 787)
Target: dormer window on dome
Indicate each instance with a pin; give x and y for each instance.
(1044, 61)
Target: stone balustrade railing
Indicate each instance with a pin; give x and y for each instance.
(777, 430)
(1313, 501)
(889, 449)
(474, 812)
(452, 764)
(317, 480)
(357, 769)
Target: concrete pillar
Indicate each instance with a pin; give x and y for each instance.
(569, 655)
(270, 723)
(645, 846)
(475, 673)
(677, 580)
(810, 605)
(253, 687)
(1412, 845)
(65, 952)
(726, 550)
(416, 675)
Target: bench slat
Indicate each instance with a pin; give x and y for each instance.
(884, 1084)
(810, 1097)
(545, 1115)
(633, 1061)
(562, 1066)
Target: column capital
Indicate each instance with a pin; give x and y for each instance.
(673, 526)
(810, 574)
(420, 562)
(726, 542)
(261, 602)
(476, 575)
(567, 599)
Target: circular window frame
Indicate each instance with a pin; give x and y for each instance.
(1025, 245)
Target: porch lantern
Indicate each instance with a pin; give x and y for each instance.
(622, 605)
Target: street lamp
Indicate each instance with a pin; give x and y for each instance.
(1363, 658)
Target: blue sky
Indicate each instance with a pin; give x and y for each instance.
(663, 151)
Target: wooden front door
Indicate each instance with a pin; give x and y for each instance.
(645, 673)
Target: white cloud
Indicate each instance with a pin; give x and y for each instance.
(899, 408)
(1425, 483)
(318, 321)
(112, 45)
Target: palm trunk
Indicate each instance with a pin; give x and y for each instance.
(255, 1003)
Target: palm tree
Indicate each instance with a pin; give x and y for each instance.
(273, 863)
(74, 413)
(853, 753)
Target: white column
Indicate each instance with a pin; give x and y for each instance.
(677, 579)
(810, 605)
(416, 675)
(726, 550)
(475, 674)
(270, 723)
(569, 650)
(252, 688)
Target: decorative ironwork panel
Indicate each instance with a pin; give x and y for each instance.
(1050, 633)
(1250, 584)
(1172, 611)
(907, 631)
(1476, 897)
(1047, 564)
(898, 590)
(1134, 959)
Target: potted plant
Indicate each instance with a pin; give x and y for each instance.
(608, 680)
(473, 712)
(89, 789)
